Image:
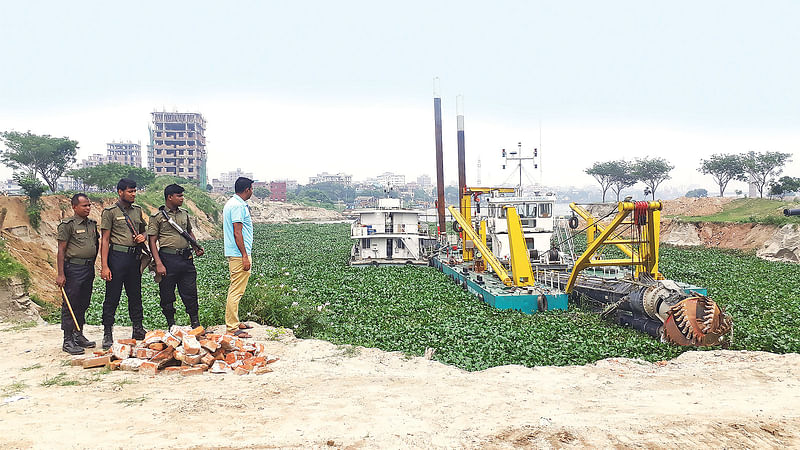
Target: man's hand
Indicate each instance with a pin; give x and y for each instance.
(199, 251)
(161, 270)
(139, 238)
(105, 274)
(246, 263)
(61, 280)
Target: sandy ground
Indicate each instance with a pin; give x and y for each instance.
(321, 395)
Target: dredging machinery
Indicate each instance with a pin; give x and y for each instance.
(510, 256)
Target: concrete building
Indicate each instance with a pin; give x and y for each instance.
(93, 160)
(424, 181)
(325, 177)
(178, 145)
(125, 153)
(389, 179)
(291, 185)
(277, 191)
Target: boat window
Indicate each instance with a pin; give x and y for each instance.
(502, 214)
(545, 210)
(364, 243)
(531, 207)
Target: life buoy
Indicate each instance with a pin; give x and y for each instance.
(457, 227)
(541, 303)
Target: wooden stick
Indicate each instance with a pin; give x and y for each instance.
(66, 299)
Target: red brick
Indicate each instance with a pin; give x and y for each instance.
(191, 359)
(207, 360)
(172, 370)
(114, 365)
(172, 340)
(121, 351)
(227, 342)
(97, 361)
(145, 353)
(272, 360)
(78, 360)
(219, 354)
(241, 371)
(163, 355)
(197, 331)
(190, 345)
(239, 343)
(130, 342)
(149, 368)
(101, 352)
(189, 371)
(258, 360)
(248, 347)
(261, 349)
(130, 364)
(219, 367)
(158, 346)
(230, 358)
(214, 337)
(209, 345)
(154, 336)
(179, 355)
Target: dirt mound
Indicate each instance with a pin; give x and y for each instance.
(688, 206)
(739, 236)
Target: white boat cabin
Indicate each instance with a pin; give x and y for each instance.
(536, 214)
(387, 235)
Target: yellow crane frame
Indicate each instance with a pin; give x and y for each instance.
(465, 207)
(642, 253)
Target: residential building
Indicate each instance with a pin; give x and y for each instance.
(95, 159)
(277, 191)
(325, 177)
(125, 153)
(291, 185)
(389, 179)
(178, 145)
(424, 181)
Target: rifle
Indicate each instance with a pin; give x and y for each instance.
(146, 258)
(192, 241)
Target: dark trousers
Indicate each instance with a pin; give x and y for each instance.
(124, 272)
(180, 273)
(79, 292)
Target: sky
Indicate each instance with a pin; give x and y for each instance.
(291, 89)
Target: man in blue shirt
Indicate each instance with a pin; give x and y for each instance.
(238, 227)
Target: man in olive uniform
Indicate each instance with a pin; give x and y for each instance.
(120, 256)
(77, 251)
(173, 259)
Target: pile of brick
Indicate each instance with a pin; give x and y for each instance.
(182, 350)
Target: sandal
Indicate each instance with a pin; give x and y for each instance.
(244, 326)
(241, 334)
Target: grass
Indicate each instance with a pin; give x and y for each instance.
(132, 401)
(122, 382)
(35, 366)
(20, 326)
(14, 388)
(750, 210)
(61, 380)
(10, 267)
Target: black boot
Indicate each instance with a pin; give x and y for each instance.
(170, 321)
(69, 344)
(81, 340)
(195, 321)
(108, 338)
(138, 332)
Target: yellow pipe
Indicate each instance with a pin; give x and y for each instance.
(487, 255)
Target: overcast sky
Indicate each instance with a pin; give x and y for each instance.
(290, 89)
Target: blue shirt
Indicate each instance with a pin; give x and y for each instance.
(237, 210)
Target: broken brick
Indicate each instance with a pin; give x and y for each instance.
(149, 367)
(100, 352)
(121, 351)
(188, 371)
(114, 365)
(163, 355)
(172, 340)
(78, 360)
(209, 345)
(207, 359)
(219, 367)
(197, 331)
(158, 346)
(130, 342)
(241, 371)
(227, 342)
(190, 345)
(130, 364)
(178, 354)
(154, 336)
(172, 370)
(191, 359)
(263, 370)
(261, 349)
(145, 353)
(97, 361)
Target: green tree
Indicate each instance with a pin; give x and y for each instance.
(762, 167)
(106, 176)
(261, 192)
(621, 176)
(784, 186)
(697, 193)
(652, 172)
(34, 189)
(601, 171)
(723, 168)
(421, 196)
(44, 155)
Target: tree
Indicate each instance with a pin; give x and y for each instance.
(44, 155)
(723, 168)
(34, 189)
(621, 176)
(697, 193)
(261, 192)
(106, 176)
(651, 172)
(601, 171)
(783, 186)
(764, 166)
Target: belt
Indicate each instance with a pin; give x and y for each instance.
(123, 248)
(80, 261)
(175, 251)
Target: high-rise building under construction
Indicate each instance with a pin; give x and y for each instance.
(178, 145)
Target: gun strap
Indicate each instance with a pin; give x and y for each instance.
(129, 222)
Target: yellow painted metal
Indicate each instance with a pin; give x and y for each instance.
(488, 256)
(466, 212)
(644, 259)
(483, 232)
(520, 260)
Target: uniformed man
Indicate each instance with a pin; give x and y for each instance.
(77, 250)
(122, 229)
(173, 259)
